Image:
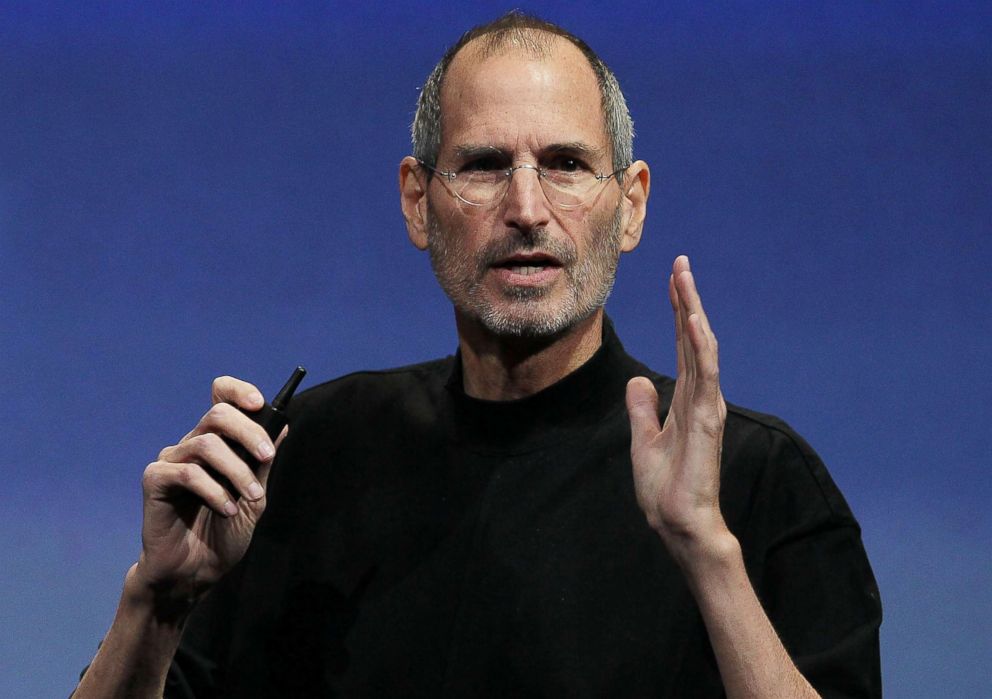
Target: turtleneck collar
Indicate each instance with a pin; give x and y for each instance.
(581, 400)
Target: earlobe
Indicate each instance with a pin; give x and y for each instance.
(637, 187)
(413, 202)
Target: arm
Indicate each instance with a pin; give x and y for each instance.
(193, 532)
(677, 477)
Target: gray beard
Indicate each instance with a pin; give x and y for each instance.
(590, 280)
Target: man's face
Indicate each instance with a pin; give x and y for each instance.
(524, 267)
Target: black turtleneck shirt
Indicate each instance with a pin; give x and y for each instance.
(422, 543)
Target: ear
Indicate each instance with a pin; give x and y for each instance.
(413, 201)
(636, 187)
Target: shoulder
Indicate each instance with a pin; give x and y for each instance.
(769, 473)
(354, 406)
(367, 391)
(757, 445)
(774, 486)
(336, 425)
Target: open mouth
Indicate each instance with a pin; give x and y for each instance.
(526, 264)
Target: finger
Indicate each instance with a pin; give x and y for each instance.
(227, 389)
(702, 342)
(701, 345)
(163, 478)
(265, 468)
(282, 436)
(683, 314)
(673, 297)
(690, 293)
(212, 451)
(226, 420)
(692, 304)
(704, 349)
(642, 407)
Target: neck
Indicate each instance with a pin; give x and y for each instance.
(507, 368)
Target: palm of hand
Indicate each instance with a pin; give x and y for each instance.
(677, 466)
(186, 546)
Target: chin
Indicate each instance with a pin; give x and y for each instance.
(531, 321)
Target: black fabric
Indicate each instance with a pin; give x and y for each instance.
(421, 543)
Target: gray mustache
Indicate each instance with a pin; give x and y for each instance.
(538, 241)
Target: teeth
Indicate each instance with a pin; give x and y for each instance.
(526, 270)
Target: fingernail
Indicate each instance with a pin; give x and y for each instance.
(230, 509)
(264, 451)
(255, 398)
(255, 491)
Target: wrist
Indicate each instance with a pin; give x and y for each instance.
(166, 606)
(702, 553)
(133, 658)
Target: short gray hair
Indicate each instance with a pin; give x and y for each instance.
(520, 30)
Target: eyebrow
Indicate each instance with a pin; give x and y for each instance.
(578, 148)
(468, 151)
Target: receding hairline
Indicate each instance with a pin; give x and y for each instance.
(538, 42)
(535, 43)
(519, 31)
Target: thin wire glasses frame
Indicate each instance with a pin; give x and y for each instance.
(567, 189)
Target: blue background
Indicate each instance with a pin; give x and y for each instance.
(188, 190)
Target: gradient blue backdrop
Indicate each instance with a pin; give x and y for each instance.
(194, 189)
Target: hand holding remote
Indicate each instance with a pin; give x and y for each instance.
(204, 495)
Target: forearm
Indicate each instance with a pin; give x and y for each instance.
(751, 658)
(134, 657)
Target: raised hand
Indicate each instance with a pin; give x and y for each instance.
(194, 530)
(677, 466)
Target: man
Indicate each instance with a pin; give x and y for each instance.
(496, 523)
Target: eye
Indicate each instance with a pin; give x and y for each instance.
(485, 163)
(566, 163)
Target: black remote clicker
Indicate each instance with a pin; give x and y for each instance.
(272, 417)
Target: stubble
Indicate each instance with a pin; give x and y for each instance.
(527, 311)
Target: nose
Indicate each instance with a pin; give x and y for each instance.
(525, 206)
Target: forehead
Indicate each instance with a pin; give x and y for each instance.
(521, 100)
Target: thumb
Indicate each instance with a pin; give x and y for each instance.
(642, 407)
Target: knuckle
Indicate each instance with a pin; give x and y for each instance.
(712, 426)
(185, 474)
(211, 443)
(258, 432)
(193, 446)
(220, 388)
(206, 445)
(228, 388)
(219, 384)
(150, 475)
(219, 410)
(216, 414)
